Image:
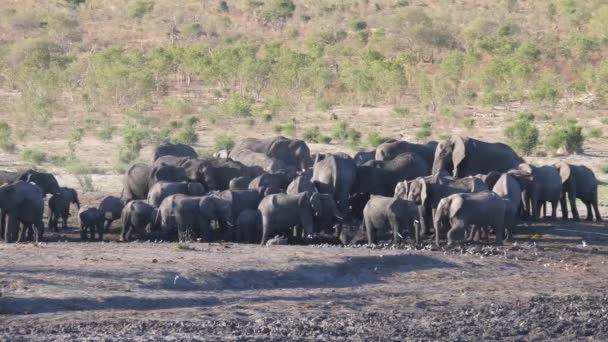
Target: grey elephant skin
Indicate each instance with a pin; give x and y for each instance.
(280, 212)
(261, 161)
(381, 177)
(137, 218)
(176, 150)
(45, 181)
(277, 180)
(464, 156)
(59, 205)
(427, 193)
(460, 211)
(389, 213)
(546, 186)
(362, 157)
(21, 202)
(292, 152)
(391, 149)
(509, 187)
(249, 226)
(139, 178)
(239, 183)
(192, 216)
(161, 190)
(301, 183)
(335, 175)
(578, 181)
(111, 207)
(91, 222)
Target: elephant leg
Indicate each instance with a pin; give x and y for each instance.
(106, 227)
(598, 217)
(30, 232)
(50, 220)
(553, 210)
(572, 199)
(99, 229)
(544, 206)
(65, 216)
(38, 229)
(206, 231)
(589, 212)
(457, 227)
(423, 221)
(83, 232)
(12, 229)
(265, 233)
(369, 228)
(499, 229)
(563, 205)
(395, 225)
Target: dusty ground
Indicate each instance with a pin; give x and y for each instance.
(548, 284)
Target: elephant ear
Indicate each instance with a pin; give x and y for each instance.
(458, 152)
(564, 170)
(402, 190)
(456, 202)
(491, 179)
(527, 168)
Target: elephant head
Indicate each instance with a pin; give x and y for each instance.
(447, 208)
(418, 191)
(73, 196)
(167, 173)
(301, 153)
(402, 190)
(196, 189)
(449, 155)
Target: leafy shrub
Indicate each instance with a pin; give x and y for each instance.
(223, 7)
(290, 128)
(177, 105)
(344, 133)
(238, 105)
(523, 134)
(375, 139)
(595, 133)
(223, 142)
(77, 167)
(105, 133)
(34, 156)
(279, 10)
(6, 143)
(187, 135)
(133, 138)
(358, 25)
(74, 3)
(267, 117)
(567, 135)
(468, 123)
(140, 9)
(314, 135)
(74, 138)
(603, 168)
(425, 131)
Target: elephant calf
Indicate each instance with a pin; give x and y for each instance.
(91, 221)
(59, 205)
(249, 226)
(111, 207)
(382, 213)
(137, 217)
(460, 211)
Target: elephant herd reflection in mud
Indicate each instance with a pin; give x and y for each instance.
(263, 189)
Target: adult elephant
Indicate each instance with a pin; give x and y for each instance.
(111, 207)
(241, 200)
(23, 203)
(464, 156)
(546, 186)
(139, 178)
(59, 205)
(391, 149)
(261, 161)
(177, 150)
(578, 181)
(381, 177)
(45, 181)
(509, 187)
(460, 211)
(216, 173)
(161, 190)
(335, 175)
(281, 212)
(292, 152)
(277, 180)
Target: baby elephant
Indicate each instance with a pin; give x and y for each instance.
(137, 217)
(91, 220)
(460, 211)
(59, 205)
(388, 212)
(249, 226)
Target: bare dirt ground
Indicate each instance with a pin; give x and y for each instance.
(550, 283)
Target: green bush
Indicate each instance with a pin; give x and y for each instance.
(279, 10)
(105, 133)
(223, 142)
(523, 134)
(401, 111)
(567, 135)
(267, 117)
(187, 135)
(238, 105)
(425, 131)
(77, 167)
(375, 139)
(468, 123)
(595, 133)
(34, 156)
(140, 9)
(314, 135)
(133, 139)
(358, 25)
(290, 128)
(6, 143)
(223, 7)
(74, 3)
(344, 133)
(603, 168)
(177, 105)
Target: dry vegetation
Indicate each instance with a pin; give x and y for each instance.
(85, 85)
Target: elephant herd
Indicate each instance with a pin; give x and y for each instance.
(461, 188)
